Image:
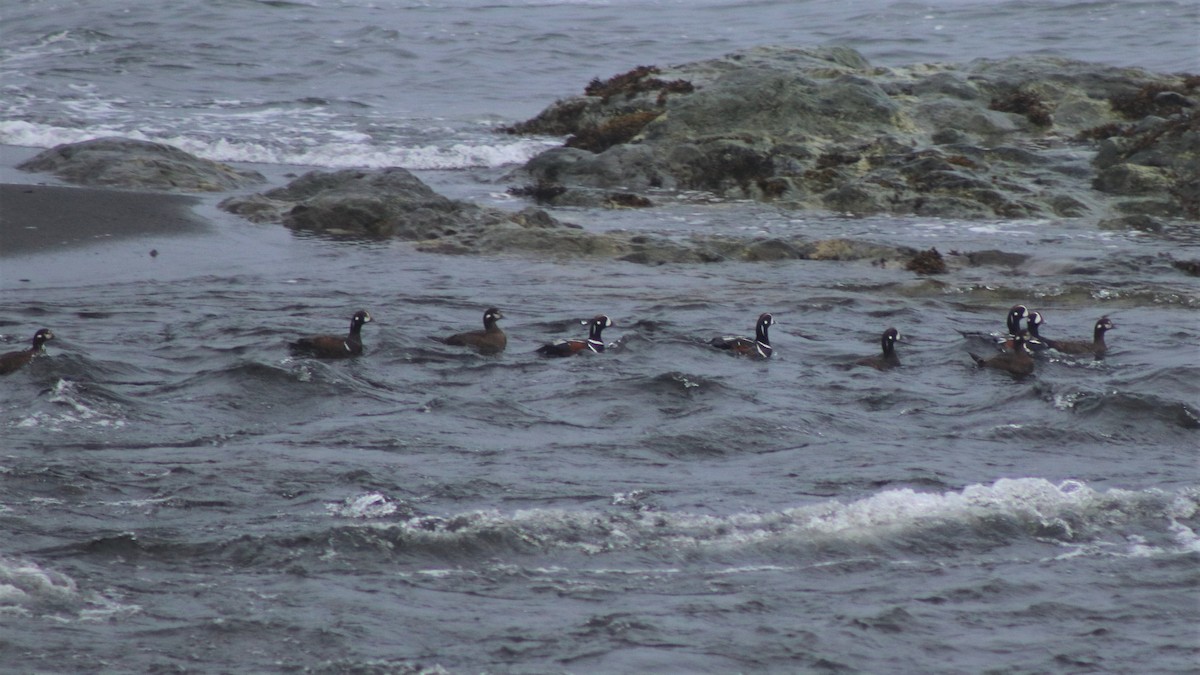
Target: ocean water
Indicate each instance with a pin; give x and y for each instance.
(179, 494)
(423, 85)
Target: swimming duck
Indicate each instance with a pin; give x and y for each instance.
(759, 347)
(334, 346)
(13, 361)
(888, 359)
(593, 343)
(490, 340)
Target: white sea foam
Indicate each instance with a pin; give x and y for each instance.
(370, 505)
(27, 589)
(1060, 513)
(330, 149)
(34, 135)
(73, 409)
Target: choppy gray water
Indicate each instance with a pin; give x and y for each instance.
(177, 493)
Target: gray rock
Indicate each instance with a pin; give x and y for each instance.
(772, 249)
(822, 128)
(126, 163)
(1140, 222)
(393, 203)
(967, 117)
(945, 83)
(364, 203)
(993, 257)
(1158, 162)
(854, 198)
(1128, 178)
(624, 166)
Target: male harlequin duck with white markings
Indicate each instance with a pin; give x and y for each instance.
(1012, 323)
(759, 347)
(334, 346)
(888, 359)
(1015, 314)
(490, 340)
(14, 361)
(1017, 362)
(593, 343)
(1033, 324)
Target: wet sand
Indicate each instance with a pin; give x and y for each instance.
(38, 218)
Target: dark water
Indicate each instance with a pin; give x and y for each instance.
(179, 494)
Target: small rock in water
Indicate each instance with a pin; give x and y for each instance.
(927, 262)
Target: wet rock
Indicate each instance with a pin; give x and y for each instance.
(940, 83)
(944, 206)
(854, 198)
(927, 262)
(1067, 206)
(992, 257)
(383, 203)
(966, 117)
(823, 129)
(555, 194)
(1156, 160)
(852, 249)
(1188, 267)
(393, 203)
(624, 166)
(1132, 179)
(1140, 222)
(386, 203)
(127, 163)
(772, 249)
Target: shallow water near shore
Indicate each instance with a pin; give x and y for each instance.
(180, 493)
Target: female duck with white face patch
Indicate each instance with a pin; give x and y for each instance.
(490, 340)
(888, 359)
(14, 361)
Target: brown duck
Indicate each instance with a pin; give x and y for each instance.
(888, 359)
(1096, 347)
(1017, 362)
(14, 361)
(490, 340)
(334, 346)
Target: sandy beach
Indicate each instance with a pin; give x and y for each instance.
(35, 218)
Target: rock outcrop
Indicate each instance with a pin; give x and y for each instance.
(823, 129)
(138, 165)
(393, 203)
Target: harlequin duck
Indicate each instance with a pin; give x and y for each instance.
(490, 340)
(1012, 322)
(1015, 314)
(888, 359)
(759, 347)
(593, 343)
(1096, 347)
(1017, 362)
(333, 346)
(1036, 342)
(13, 361)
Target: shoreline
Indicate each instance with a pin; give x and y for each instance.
(45, 218)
